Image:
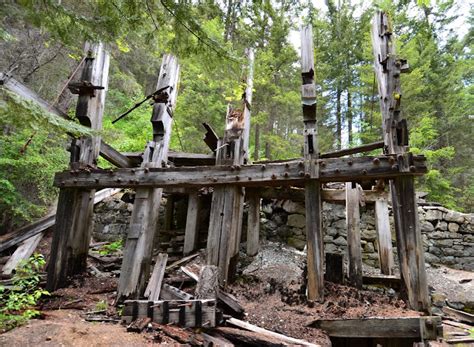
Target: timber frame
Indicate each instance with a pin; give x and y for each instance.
(233, 178)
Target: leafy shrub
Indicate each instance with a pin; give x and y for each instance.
(111, 248)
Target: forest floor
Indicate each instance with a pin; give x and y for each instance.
(269, 287)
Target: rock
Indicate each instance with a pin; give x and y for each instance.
(296, 220)
(293, 207)
(296, 243)
(453, 216)
(438, 299)
(327, 239)
(331, 231)
(456, 305)
(433, 215)
(435, 251)
(431, 258)
(426, 227)
(442, 226)
(369, 235)
(279, 218)
(340, 224)
(330, 248)
(267, 209)
(369, 247)
(340, 241)
(444, 243)
(453, 227)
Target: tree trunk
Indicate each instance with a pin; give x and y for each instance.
(256, 152)
(338, 118)
(349, 116)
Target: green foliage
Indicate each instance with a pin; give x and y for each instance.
(101, 305)
(17, 304)
(111, 247)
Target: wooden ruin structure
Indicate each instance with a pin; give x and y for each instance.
(236, 181)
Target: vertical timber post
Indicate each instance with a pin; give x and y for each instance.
(72, 233)
(253, 224)
(353, 234)
(225, 222)
(144, 220)
(192, 223)
(314, 232)
(409, 242)
(384, 236)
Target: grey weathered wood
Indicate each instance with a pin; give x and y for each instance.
(253, 224)
(192, 223)
(390, 281)
(409, 242)
(459, 315)
(406, 327)
(23, 252)
(314, 234)
(384, 236)
(208, 283)
(168, 312)
(74, 219)
(216, 340)
(276, 174)
(153, 289)
(248, 103)
(169, 292)
(286, 339)
(359, 149)
(353, 234)
(115, 157)
(248, 338)
(143, 222)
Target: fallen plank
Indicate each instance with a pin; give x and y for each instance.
(461, 340)
(23, 252)
(249, 338)
(389, 281)
(186, 313)
(15, 237)
(183, 336)
(153, 289)
(457, 324)
(180, 262)
(256, 329)
(216, 340)
(172, 293)
(348, 151)
(138, 324)
(403, 327)
(458, 315)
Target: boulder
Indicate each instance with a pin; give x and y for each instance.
(297, 221)
(293, 207)
(433, 215)
(296, 243)
(453, 216)
(426, 227)
(453, 227)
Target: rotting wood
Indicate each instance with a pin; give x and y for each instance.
(186, 313)
(208, 283)
(334, 268)
(138, 325)
(184, 337)
(169, 292)
(23, 252)
(210, 138)
(215, 340)
(253, 224)
(143, 222)
(72, 233)
(313, 205)
(349, 151)
(353, 234)
(389, 281)
(285, 339)
(404, 327)
(461, 340)
(115, 157)
(192, 223)
(180, 262)
(153, 289)
(278, 174)
(384, 236)
(388, 68)
(458, 315)
(249, 338)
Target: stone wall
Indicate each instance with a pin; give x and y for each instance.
(448, 236)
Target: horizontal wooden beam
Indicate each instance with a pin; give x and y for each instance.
(115, 157)
(177, 158)
(330, 195)
(400, 327)
(278, 174)
(348, 151)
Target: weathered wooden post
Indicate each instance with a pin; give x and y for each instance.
(72, 233)
(388, 68)
(225, 222)
(314, 232)
(353, 234)
(384, 236)
(192, 223)
(253, 223)
(143, 224)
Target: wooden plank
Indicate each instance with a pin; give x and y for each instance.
(403, 327)
(23, 252)
(248, 338)
(208, 283)
(285, 339)
(390, 281)
(153, 289)
(143, 222)
(388, 68)
(353, 234)
(72, 234)
(192, 223)
(247, 103)
(384, 236)
(169, 292)
(180, 262)
(115, 157)
(210, 138)
(314, 234)
(458, 315)
(277, 174)
(186, 313)
(216, 340)
(349, 151)
(253, 224)
(334, 268)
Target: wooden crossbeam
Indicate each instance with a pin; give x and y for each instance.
(277, 174)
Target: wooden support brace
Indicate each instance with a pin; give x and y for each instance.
(192, 223)
(353, 234)
(253, 224)
(384, 236)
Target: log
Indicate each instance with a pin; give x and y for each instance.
(22, 253)
(403, 327)
(334, 268)
(284, 339)
(349, 151)
(153, 289)
(253, 224)
(248, 338)
(139, 246)
(186, 313)
(353, 234)
(192, 223)
(277, 174)
(384, 236)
